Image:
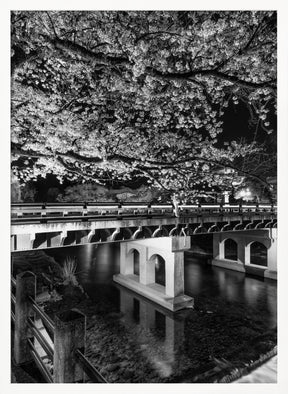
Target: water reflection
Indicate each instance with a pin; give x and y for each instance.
(257, 295)
(159, 335)
(231, 311)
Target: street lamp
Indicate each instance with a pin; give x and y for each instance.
(246, 194)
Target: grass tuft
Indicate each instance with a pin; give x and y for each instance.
(69, 271)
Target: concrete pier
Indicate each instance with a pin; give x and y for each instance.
(171, 249)
(244, 240)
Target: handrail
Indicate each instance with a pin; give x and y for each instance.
(57, 356)
(47, 375)
(90, 370)
(13, 281)
(46, 319)
(40, 338)
(77, 206)
(28, 214)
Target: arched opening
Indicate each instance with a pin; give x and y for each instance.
(258, 254)
(136, 259)
(159, 269)
(230, 248)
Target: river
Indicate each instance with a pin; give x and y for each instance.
(130, 339)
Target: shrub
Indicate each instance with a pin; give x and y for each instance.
(69, 272)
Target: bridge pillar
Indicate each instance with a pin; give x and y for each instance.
(219, 254)
(271, 272)
(218, 247)
(175, 275)
(243, 251)
(147, 271)
(244, 239)
(171, 249)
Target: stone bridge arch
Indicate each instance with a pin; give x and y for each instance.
(232, 244)
(244, 239)
(159, 268)
(169, 294)
(256, 247)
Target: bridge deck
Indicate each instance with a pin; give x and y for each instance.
(62, 225)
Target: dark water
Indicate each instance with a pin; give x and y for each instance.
(131, 339)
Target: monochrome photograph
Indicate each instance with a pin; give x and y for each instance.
(143, 196)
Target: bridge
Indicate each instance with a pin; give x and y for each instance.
(151, 235)
(37, 226)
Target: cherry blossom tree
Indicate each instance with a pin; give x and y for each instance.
(103, 95)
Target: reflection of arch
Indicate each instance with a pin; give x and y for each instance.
(159, 267)
(230, 249)
(258, 254)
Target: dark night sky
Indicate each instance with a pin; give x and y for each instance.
(236, 125)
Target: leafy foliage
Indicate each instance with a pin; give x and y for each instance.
(95, 192)
(105, 95)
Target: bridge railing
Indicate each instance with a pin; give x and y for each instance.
(50, 210)
(56, 347)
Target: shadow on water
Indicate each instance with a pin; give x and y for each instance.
(234, 319)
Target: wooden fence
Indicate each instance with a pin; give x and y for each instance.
(57, 347)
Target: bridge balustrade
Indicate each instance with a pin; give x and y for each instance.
(57, 347)
(49, 210)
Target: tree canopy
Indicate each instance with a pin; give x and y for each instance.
(104, 95)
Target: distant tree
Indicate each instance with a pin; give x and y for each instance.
(52, 194)
(15, 190)
(94, 192)
(103, 95)
(85, 192)
(22, 192)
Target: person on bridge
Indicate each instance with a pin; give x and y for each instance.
(175, 202)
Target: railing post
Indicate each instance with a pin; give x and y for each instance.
(240, 207)
(84, 209)
(69, 335)
(43, 209)
(221, 209)
(25, 288)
